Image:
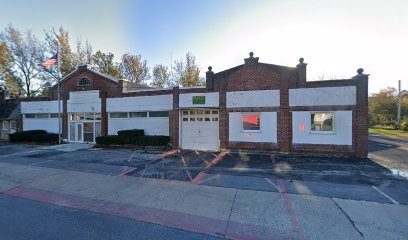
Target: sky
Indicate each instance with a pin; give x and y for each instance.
(335, 37)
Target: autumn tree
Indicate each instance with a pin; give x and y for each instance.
(26, 51)
(134, 69)
(161, 76)
(187, 72)
(105, 64)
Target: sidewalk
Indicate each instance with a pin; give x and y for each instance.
(223, 212)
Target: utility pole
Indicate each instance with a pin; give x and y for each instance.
(399, 104)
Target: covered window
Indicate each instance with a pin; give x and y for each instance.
(54, 115)
(137, 114)
(251, 122)
(29, 115)
(159, 114)
(322, 121)
(118, 115)
(84, 81)
(41, 115)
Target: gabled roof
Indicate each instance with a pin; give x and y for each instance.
(86, 67)
(7, 107)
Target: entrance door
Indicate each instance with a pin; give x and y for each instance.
(199, 129)
(79, 132)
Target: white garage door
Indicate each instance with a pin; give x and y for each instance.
(199, 129)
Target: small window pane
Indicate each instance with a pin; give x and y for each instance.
(41, 115)
(321, 121)
(79, 116)
(185, 119)
(192, 119)
(192, 112)
(200, 119)
(118, 114)
(89, 116)
(84, 82)
(137, 114)
(185, 112)
(207, 119)
(207, 112)
(215, 119)
(200, 112)
(159, 114)
(251, 122)
(29, 115)
(97, 116)
(215, 112)
(54, 115)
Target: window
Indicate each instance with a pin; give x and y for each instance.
(5, 125)
(118, 115)
(251, 122)
(13, 126)
(54, 115)
(322, 122)
(29, 115)
(84, 82)
(137, 114)
(97, 116)
(79, 116)
(159, 114)
(89, 116)
(41, 115)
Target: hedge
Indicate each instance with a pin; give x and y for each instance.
(39, 136)
(131, 133)
(139, 140)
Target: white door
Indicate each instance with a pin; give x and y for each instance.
(199, 129)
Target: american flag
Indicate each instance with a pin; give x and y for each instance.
(53, 60)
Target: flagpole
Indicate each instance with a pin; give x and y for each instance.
(59, 97)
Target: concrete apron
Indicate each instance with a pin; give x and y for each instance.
(225, 212)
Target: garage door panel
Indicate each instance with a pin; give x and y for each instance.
(196, 133)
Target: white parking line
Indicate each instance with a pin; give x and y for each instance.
(385, 195)
(273, 184)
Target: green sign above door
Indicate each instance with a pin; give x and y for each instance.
(198, 99)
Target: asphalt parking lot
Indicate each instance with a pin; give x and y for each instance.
(340, 177)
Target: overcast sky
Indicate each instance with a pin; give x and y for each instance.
(334, 37)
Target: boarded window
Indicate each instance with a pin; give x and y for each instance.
(159, 114)
(41, 115)
(54, 115)
(322, 121)
(118, 115)
(251, 122)
(29, 115)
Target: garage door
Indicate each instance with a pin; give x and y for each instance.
(199, 129)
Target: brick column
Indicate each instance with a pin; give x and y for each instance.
(284, 119)
(223, 119)
(104, 115)
(64, 118)
(361, 124)
(174, 120)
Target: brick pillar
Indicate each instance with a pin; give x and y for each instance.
(104, 115)
(361, 124)
(209, 79)
(301, 73)
(284, 119)
(174, 120)
(64, 118)
(223, 119)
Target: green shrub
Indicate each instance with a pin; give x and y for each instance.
(39, 136)
(139, 140)
(131, 133)
(404, 125)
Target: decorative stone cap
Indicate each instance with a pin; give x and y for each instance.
(301, 64)
(209, 70)
(251, 60)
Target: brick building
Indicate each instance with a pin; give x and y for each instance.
(251, 106)
(9, 115)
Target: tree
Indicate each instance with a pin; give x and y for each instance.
(26, 52)
(382, 106)
(134, 69)
(187, 72)
(105, 64)
(161, 76)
